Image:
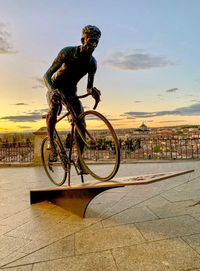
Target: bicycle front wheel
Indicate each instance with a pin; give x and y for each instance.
(54, 170)
(100, 156)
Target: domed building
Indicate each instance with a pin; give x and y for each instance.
(143, 128)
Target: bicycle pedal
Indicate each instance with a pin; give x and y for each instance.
(80, 172)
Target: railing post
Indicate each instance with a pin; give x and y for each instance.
(170, 143)
(39, 135)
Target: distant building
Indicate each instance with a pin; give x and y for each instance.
(143, 128)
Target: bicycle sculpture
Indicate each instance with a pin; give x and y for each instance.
(71, 64)
(95, 150)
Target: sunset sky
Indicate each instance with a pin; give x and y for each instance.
(148, 59)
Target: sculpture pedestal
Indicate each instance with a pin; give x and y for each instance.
(73, 200)
(76, 198)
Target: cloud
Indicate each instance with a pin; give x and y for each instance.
(189, 95)
(174, 121)
(114, 119)
(20, 104)
(39, 83)
(28, 117)
(172, 90)
(22, 118)
(192, 110)
(136, 60)
(5, 45)
(24, 127)
(138, 102)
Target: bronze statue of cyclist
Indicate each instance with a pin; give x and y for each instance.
(71, 64)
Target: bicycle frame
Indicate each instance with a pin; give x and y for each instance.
(78, 132)
(74, 120)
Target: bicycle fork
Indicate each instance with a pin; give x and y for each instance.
(72, 135)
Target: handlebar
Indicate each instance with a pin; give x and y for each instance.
(79, 97)
(86, 95)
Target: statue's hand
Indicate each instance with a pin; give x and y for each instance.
(96, 93)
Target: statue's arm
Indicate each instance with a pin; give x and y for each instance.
(90, 81)
(57, 63)
(91, 74)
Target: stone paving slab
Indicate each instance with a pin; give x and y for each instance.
(14, 256)
(107, 238)
(60, 249)
(88, 262)
(10, 245)
(188, 191)
(20, 268)
(162, 208)
(129, 216)
(197, 217)
(194, 241)
(170, 254)
(169, 227)
(151, 227)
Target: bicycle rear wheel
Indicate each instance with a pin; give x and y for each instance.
(101, 154)
(54, 170)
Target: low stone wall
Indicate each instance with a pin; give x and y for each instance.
(39, 136)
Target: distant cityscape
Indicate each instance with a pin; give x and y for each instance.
(176, 132)
(145, 132)
(184, 131)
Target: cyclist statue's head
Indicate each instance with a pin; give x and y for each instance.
(91, 31)
(90, 38)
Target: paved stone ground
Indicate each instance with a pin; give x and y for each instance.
(148, 227)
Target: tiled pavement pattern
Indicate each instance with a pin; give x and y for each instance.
(148, 227)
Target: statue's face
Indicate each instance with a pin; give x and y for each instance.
(89, 44)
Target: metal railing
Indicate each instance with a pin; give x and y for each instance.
(163, 148)
(151, 148)
(16, 152)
